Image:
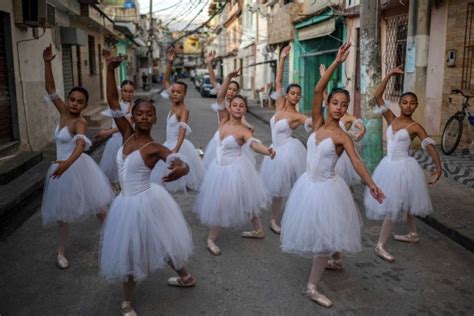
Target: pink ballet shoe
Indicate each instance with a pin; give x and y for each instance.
(213, 248)
(62, 262)
(334, 264)
(410, 237)
(258, 234)
(126, 309)
(182, 282)
(274, 227)
(382, 253)
(313, 294)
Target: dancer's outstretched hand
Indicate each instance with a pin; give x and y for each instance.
(397, 70)
(62, 167)
(322, 69)
(343, 52)
(435, 176)
(285, 52)
(271, 152)
(377, 193)
(177, 169)
(48, 54)
(211, 56)
(235, 73)
(171, 54)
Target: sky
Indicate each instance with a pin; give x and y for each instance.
(178, 13)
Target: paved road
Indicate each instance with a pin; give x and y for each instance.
(433, 277)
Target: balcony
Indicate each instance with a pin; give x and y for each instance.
(280, 25)
(311, 7)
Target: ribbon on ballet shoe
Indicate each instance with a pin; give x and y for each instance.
(410, 237)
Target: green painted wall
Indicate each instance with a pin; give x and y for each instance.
(122, 46)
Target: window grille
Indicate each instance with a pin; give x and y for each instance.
(395, 52)
(467, 81)
(92, 66)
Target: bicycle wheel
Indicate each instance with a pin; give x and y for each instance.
(451, 136)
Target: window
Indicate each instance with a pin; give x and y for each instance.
(395, 52)
(92, 65)
(467, 81)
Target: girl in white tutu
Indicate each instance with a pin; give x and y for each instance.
(232, 193)
(75, 186)
(176, 131)
(145, 228)
(398, 174)
(221, 107)
(108, 162)
(321, 217)
(281, 173)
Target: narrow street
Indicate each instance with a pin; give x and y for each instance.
(433, 277)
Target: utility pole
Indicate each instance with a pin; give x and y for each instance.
(416, 61)
(150, 47)
(370, 78)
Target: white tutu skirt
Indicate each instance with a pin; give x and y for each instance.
(143, 232)
(281, 173)
(231, 195)
(82, 190)
(108, 162)
(404, 185)
(320, 218)
(190, 181)
(345, 169)
(210, 152)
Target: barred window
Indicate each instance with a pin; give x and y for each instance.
(395, 52)
(467, 81)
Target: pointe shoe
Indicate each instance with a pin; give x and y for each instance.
(180, 282)
(258, 234)
(410, 237)
(317, 297)
(62, 262)
(382, 253)
(274, 227)
(334, 264)
(213, 248)
(126, 309)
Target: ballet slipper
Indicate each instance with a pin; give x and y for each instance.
(213, 248)
(410, 237)
(334, 264)
(313, 294)
(62, 262)
(181, 282)
(258, 234)
(274, 227)
(382, 253)
(126, 309)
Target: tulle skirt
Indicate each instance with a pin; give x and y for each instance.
(231, 195)
(210, 151)
(83, 189)
(190, 181)
(404, 185)
(108, 162)
(280, 174)
(320, 218)
(142, 233)
(345, 169)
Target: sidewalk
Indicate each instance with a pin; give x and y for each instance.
(452, 196)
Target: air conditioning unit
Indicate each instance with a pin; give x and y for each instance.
(34, 13)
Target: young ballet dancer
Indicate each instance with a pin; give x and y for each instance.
(108, 162)
(399, 175)
(144, 229)
(281, 173)
(221, 107)
(321, 217)
(74, 186)
(232, 193)
(176, 130)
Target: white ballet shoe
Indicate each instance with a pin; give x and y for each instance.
(213, 248)
(62, 262)
(258, 234)
(126, 309)
(274, 227)
(182, 282)
(334, 264)
(313, 294)
(382, 253)
(410, 237)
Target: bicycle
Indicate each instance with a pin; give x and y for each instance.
(452, 131)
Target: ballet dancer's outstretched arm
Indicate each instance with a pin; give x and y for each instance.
(223, 113)
(210, 69)
(386, 112)
(258, 147)
(322, 70)
(322, 84)
(155, 152)
(50, 86)
(428, 144)
(124, 126)
(169, 67)
(359, 167)
(280, 101)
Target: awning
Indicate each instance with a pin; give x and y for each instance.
(318, 30)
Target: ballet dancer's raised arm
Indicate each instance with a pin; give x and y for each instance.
(386, 112)
(50, 86)
(210, 69)
(323, 82)
(280, 101)
(169, 67)
(223, 113)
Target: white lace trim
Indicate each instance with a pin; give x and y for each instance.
(276, 94)
(253, 139)
(308, 124)
(217, 107)
(427, 141)
(51, 97)
(85, 139)
(186, 127)
(381, 109)
(174, 156)
(165, 94)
